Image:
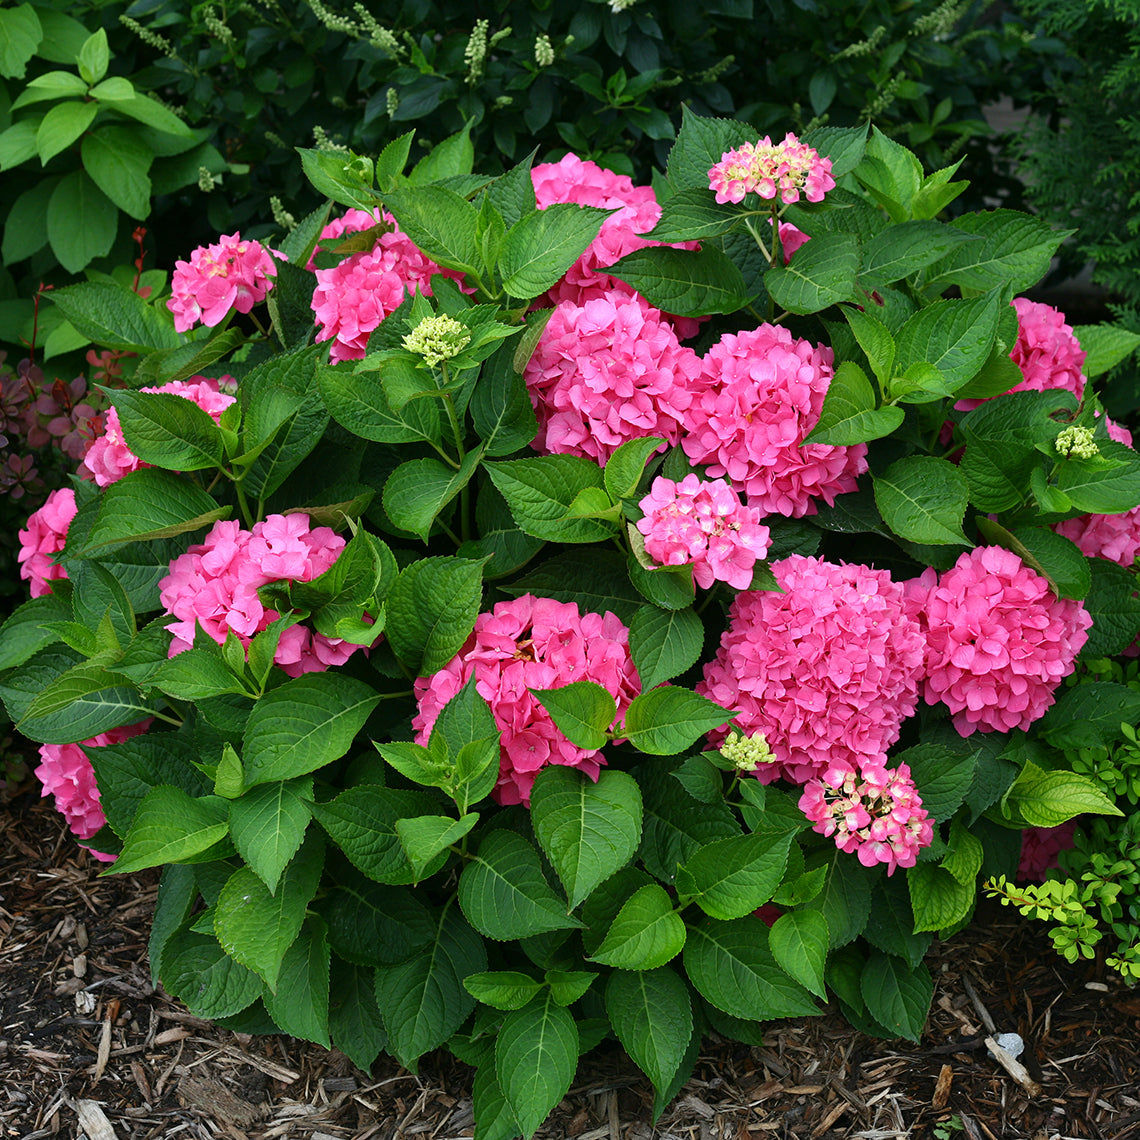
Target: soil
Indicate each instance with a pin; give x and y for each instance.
(90, 1048)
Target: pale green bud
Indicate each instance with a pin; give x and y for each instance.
(437, 339)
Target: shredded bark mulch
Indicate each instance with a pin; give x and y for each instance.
(89, 1048)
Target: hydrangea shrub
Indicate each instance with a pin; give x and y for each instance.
(551, 632)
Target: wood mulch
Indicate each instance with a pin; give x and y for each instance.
(89, 1048)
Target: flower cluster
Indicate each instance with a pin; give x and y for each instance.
(605, 372)
(43, 538)
(584, 183)
(998, 641)
(214, 585)
(876, 813)
(759, 394)
(787, 169)
(1115, 537)
(108, 457)
(524, 644)
(1041, 848)
(355, 295)
(827, 670)
(66, 773)
(1047, 351)
(437, 339)
(746, 753)
(230, 274)
(703, 523)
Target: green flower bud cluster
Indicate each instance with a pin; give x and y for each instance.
(1076, 442)
(747, 753)
(437, 339)
(543, 51)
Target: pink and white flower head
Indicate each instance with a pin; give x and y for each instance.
(606, 372)
(1114, 537)
(584, 183)
(43, 538)
(214, 586)
(66, 773)
(108, 458)
(703, 523)
(532, 643)
(827, 670)
(356, 294)
(998, 641)
(231, 274)
(875, 812)
(785, 170)
(759, 394)
(1041, 848)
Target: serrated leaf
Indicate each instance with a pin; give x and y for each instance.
(536, 1056)
(267, 824)
(897, 996)
(652, 1016)
(821, 274)
(923, 499)
(432, 609)
(542, 245)
(667, 720)
(799, 941)
(664, 643)
(646, 932)
(730, 878)
(502, 989)
(582, 710)
(170, 827)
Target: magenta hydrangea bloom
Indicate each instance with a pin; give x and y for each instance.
(108, 458)
(43, 538)
(1114, 537)
(759, 394)
(214, 586)
(876, 813)
(998, 641)
(1041, 848)
(827, 670)
(66, 773)
(704, 524)
(356, 294)
(584, 183)
(231, 274)
(532, 643)
(785, 170)
(606, 372)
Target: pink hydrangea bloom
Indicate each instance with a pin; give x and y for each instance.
(66, 773)
(1047, 352)
(231, 274)
(108, 458)
(787, 170)
(704, 524)
(584, 183)
(876, 813)
(827, 670)
(214, 586)
(998, 641)
(44, 537)
(356, 294)
(759, 394)
(532, 643)
(1114, 537)
(791, 239)
(606, 372)
(1040, 848)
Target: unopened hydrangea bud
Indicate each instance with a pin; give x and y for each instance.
(1076, 442)
(437, 339)
(543, 51)
(747, 753)
(392, 100)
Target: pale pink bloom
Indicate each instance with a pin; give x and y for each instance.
(759, 394)
(998, 641)
(1114, 537)
(108, 458)
(606, 372)
(43, 537)
(875, 812)
(584, 183)
(1041, 848)
(827, 670)
(703, 523)
(356, 294)
(532, 643)
(66, 773)
(214, 586)
(785, 170)
(231, 274)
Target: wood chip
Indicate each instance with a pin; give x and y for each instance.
(942, 1088)
(104, 1053)
(93, 1120)
(1014, 1067)
(215, 1100)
